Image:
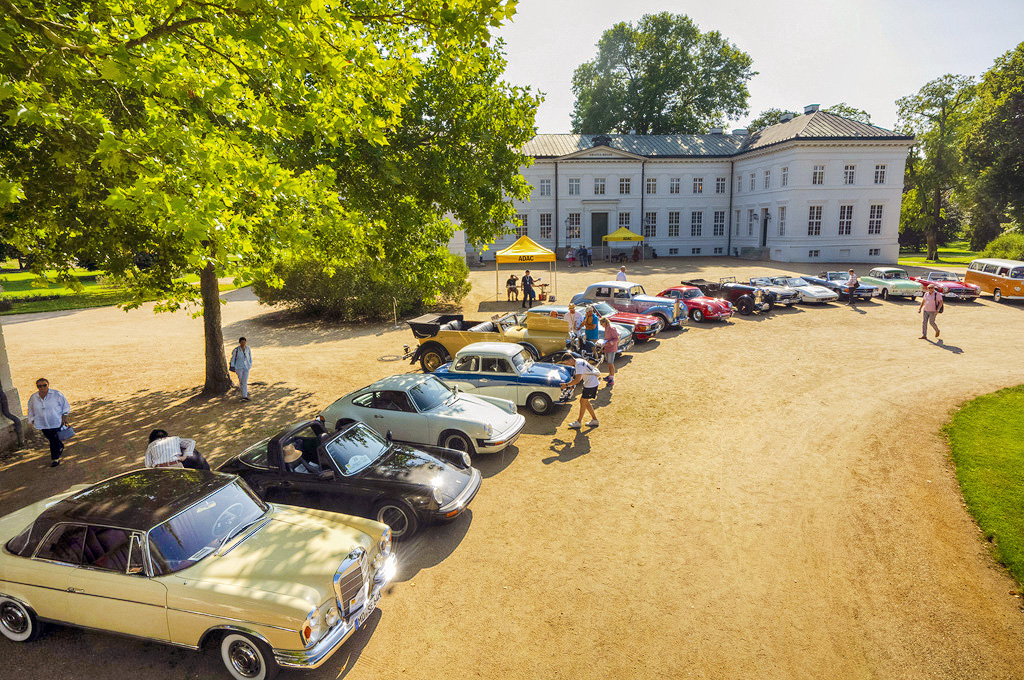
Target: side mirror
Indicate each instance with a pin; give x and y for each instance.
(389, 437)
(326, 475)
(456, 389)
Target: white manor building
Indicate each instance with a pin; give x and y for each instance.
(816, 187)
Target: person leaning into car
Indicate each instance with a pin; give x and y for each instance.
(931, 305)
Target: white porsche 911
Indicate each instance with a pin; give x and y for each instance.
(808, 291)
(420, 409)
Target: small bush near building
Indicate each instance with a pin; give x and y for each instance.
(986, 438)
(1008, 247)
(366, 289)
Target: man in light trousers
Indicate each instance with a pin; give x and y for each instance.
(241, 362)
(930, 305)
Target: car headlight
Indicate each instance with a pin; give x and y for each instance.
(438, 498)
(311, 628)
(489, 429)
(332, 617)
(384, 545)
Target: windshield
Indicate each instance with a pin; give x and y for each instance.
(636, 290)
(691, 293)
(193, 534)
(430, 394)
(944, 277)
(523, 361)
(356, 450)
(795, 283)
(761, 281)
(604, 309)
(838, 276)
(510, 321)
(898, 274)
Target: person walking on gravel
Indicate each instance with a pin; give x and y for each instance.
(48, 412)
(588, 375)
(241, 362)
(852, 284)
(621, 276)
(931, 305)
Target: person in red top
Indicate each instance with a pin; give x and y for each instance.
(931, 304)
(611, 347)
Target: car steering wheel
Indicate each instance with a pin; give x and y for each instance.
(227, 519)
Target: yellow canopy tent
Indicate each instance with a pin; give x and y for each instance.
(524, 251)
(624, 234)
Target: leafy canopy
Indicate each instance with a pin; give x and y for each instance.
(660, 76)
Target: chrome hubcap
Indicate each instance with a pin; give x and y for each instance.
(432, 361)
(245, 659)
(13, 618)
(455, 443)
(394, 518)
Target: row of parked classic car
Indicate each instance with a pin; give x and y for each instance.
(255, 561)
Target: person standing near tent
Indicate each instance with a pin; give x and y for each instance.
(529, 296)
(582, 254)
(590, 256)
(570, 255)
(512, 288)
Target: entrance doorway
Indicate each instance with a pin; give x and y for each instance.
(598, 228)
(764, 227)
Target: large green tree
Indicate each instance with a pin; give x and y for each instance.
(937, 116)
(662, 75)
(161, 138)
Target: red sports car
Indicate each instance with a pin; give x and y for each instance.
(950, 285)
(644, 326)
(699, 306)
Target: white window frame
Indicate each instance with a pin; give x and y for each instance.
(719, 250)
(522, 228)
(845, 220)
(698, 185)
(545, 225)
(768, 179)
(782, 220)
(625, 186)
(875, 216)
(814, 253)
(574, 229)
(574, 186)
(718, 228)
(651, 185)
(818, 175)
(673, 224)
(694, 251)
(696, 223)
(675, 184)
(624, 219)
(544, 187)
(785, 176)
(650, 225)
(880, 173)
(751, 218)
(850, 175)
(753, 181)
(814, 220)
(719, 185)
(599, 186)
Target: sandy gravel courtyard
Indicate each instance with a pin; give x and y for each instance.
(765, 498)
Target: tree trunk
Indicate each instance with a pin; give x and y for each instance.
(933, 228)
(217, 379)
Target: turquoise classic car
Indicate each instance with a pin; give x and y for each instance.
(892, 282)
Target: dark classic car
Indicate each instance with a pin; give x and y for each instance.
(362, 472)
(745, 298)
(781, 294)
(837, 281)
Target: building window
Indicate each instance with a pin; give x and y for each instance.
(739, 184)
(719, 223)
(814, 221)
(573, 230)
(782, 220)
(751, 220)
(650, 225)
(624, 219)
(545, 187)
(698, 185)
(652, 185)
(845, 220)
(874, 252)
(673, 224)
(767, 179)
(599, 186)
(785, 176)
(694, 251)
(673, 251)
(875, 220)
(879, 174)
(696, 223)
(736, 222)
(624, 186)
(813, 253)
(673, 185)
(751, 181)
(849, 174)
(818, 176)
(520, 229)
(545, 225)
(718, 251)
(574, 186)
(719, 185)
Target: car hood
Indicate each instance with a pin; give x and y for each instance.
(407, 465)
(654, 299)
(270, 561)
(472, 408)
(548, 373)
(816, 291)
(632, 318)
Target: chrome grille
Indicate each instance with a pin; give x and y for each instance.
(349, 582)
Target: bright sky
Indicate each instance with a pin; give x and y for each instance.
(867, 53)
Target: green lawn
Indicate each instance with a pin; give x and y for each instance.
(957, 252)
(21, 285)
(986, 437)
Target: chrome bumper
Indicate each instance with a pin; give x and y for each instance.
(318, 654)
(462, 501)
(506, 438)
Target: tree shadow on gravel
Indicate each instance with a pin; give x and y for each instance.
(287, 328)
(111, 436)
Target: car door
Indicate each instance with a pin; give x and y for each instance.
(111, 591)
(49, 571)
(401, 417)
(464, 372)
(497, 379)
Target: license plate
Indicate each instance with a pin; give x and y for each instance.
(368, 608)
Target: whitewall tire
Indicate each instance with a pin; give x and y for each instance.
(247, 658)
(18, 623)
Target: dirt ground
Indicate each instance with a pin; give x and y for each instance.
(765, 498)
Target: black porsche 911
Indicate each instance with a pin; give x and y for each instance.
(356, 471)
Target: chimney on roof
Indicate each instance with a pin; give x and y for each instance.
(740, 132)
(786, 117)
(717, 131)
(602, 140)
(810, 108)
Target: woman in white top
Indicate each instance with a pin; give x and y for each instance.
(241, 362)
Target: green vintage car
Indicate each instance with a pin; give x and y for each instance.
(892, 282)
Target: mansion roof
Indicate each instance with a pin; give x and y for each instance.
(817, 126)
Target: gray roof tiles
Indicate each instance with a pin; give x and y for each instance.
(816, 126)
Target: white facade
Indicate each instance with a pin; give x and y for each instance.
(703, 205)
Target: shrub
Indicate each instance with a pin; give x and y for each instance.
(1008, 247)
(366, 289)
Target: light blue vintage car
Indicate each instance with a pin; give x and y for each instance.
(505, 370)
(631, 297)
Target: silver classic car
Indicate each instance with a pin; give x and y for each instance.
(631, 297)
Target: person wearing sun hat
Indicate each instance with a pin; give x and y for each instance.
(294, 461)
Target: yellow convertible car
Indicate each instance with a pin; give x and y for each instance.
(193, 559)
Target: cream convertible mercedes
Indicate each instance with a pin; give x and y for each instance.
(193, 559)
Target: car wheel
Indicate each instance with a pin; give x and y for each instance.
(745, 306)
(342, 422)
(247, 658)
(456, 440)
(399, 516)
(771, 304)
(18, 623)
(697, 315)
(885, 293)
(432, 358)
(539, 403)
(997, 295)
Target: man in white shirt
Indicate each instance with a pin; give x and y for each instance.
(621, 276)
(167, 451)
(48, 412)
(588, 375)
(574, 318)
(241, 362)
